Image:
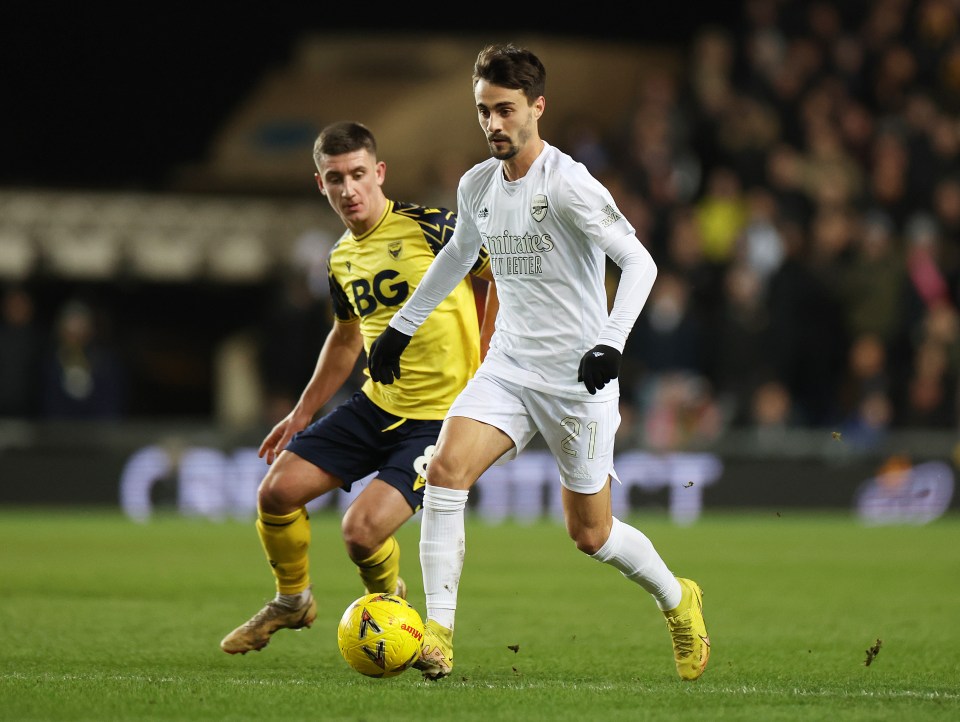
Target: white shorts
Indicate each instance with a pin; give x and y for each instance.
(579, 433)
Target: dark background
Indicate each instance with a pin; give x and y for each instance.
(97, 99)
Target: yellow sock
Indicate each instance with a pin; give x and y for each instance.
(286, 542)
(379, 572)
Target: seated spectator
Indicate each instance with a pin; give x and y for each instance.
(772, 413)
(83, 377)
(868, 427)
(679, 412)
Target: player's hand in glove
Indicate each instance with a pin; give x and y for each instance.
(598, 366)
(384, 359)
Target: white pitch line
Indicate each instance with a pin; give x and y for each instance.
(701, 689)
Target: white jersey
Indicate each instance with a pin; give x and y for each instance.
(548, 235)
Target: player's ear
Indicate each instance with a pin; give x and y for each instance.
(320, 183)
(381, 172)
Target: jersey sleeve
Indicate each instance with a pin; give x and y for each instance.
(593, 210)
(638, 273)
(342, 310)
(590, 206)
(438, 226)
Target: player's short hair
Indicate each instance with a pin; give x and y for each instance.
(344, 136)
(512, 67)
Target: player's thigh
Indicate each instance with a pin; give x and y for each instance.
(466, 448)
(488, 423)
(291, 482)
(346, 443)
(580, 434)
(359, 438)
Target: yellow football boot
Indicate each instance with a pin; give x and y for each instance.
(255, 634)
(691, 644)
(436, 658)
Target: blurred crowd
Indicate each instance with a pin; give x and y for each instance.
(799, 187)
(798, 184)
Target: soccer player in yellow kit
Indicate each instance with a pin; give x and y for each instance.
(390, 429)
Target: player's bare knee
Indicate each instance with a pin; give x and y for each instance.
(361, 549)
(272, 497)
(361, 536)
(588, 540)
(267, 497)
(359, 552)
(440, 473)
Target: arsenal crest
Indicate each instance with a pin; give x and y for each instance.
(538, 209)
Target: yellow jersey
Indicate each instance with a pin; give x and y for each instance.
(372, 276)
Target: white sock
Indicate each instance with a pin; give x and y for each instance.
(630, 551)
(295, 601)
(442, 548)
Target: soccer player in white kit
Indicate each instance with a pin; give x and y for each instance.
(554, 358)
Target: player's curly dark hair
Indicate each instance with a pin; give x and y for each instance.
(512, 67)
(344, 136)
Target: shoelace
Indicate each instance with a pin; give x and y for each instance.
(682, 635)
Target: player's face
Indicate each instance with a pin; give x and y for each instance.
(352, 183)
(507, 119)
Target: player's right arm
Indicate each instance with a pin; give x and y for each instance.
(336, 362)
(491, 306)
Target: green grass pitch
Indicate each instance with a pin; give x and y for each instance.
(106, 619)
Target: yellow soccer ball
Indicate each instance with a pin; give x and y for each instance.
(380, 635)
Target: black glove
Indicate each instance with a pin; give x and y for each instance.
(384, 358)
(599, 365)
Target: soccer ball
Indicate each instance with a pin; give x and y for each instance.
(380, 635)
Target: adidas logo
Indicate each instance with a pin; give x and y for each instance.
(484, 213)
(581, 472)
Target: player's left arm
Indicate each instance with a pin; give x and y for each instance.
(638, 271)
(588, 205)
(601, 364)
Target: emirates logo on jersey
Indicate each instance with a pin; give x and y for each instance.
(394, 248)
(538, 208)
